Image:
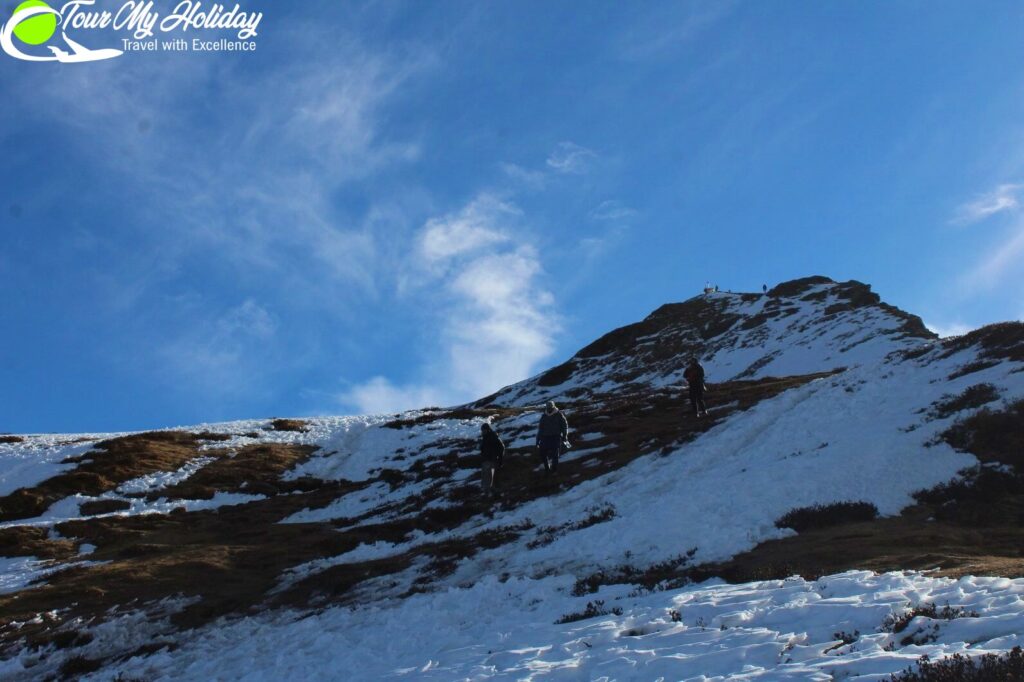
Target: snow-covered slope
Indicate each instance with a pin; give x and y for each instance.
(819, 394)
(799, 327)
(773, 630)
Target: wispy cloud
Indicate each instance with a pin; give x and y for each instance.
(668, 27)
(255, 177)
(496, 320)
(1007, 256)
(223, 354)
(533, 179)
(569, 157)
(1002, 199)
(994, 267)
(612, 211)
(237, 185)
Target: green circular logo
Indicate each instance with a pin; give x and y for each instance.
(38, 29)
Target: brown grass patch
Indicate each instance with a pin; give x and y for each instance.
(288, 425)
(102, 469)
(254, 469)
(94, 507)
(34, 541)
(210, 435)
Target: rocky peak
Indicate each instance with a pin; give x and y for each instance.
(806, 325)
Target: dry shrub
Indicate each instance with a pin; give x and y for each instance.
(972, 397)
(824, 516)
(961, 668)
(992, 435)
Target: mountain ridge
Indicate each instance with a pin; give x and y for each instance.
(820, 393)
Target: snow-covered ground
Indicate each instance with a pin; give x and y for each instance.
(775, 630)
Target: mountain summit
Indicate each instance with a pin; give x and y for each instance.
(799, 327)
(845, 444)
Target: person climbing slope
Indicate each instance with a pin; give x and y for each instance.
(694, 376)
(552, 433)
(492, 451)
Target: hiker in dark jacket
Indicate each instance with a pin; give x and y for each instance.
(552, 433)
(694, 376)
(492, 451)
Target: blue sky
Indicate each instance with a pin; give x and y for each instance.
(392, 204)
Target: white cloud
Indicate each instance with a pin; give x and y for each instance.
(471, 229)
(612, 211)
(533, 179)
(1002, 199)
(501, 325)
(569, 157)
(380, 396)
(496, 321)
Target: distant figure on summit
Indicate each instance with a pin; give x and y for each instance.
(492, 451)
(552, 437)
(694, 376)
(764, 288)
